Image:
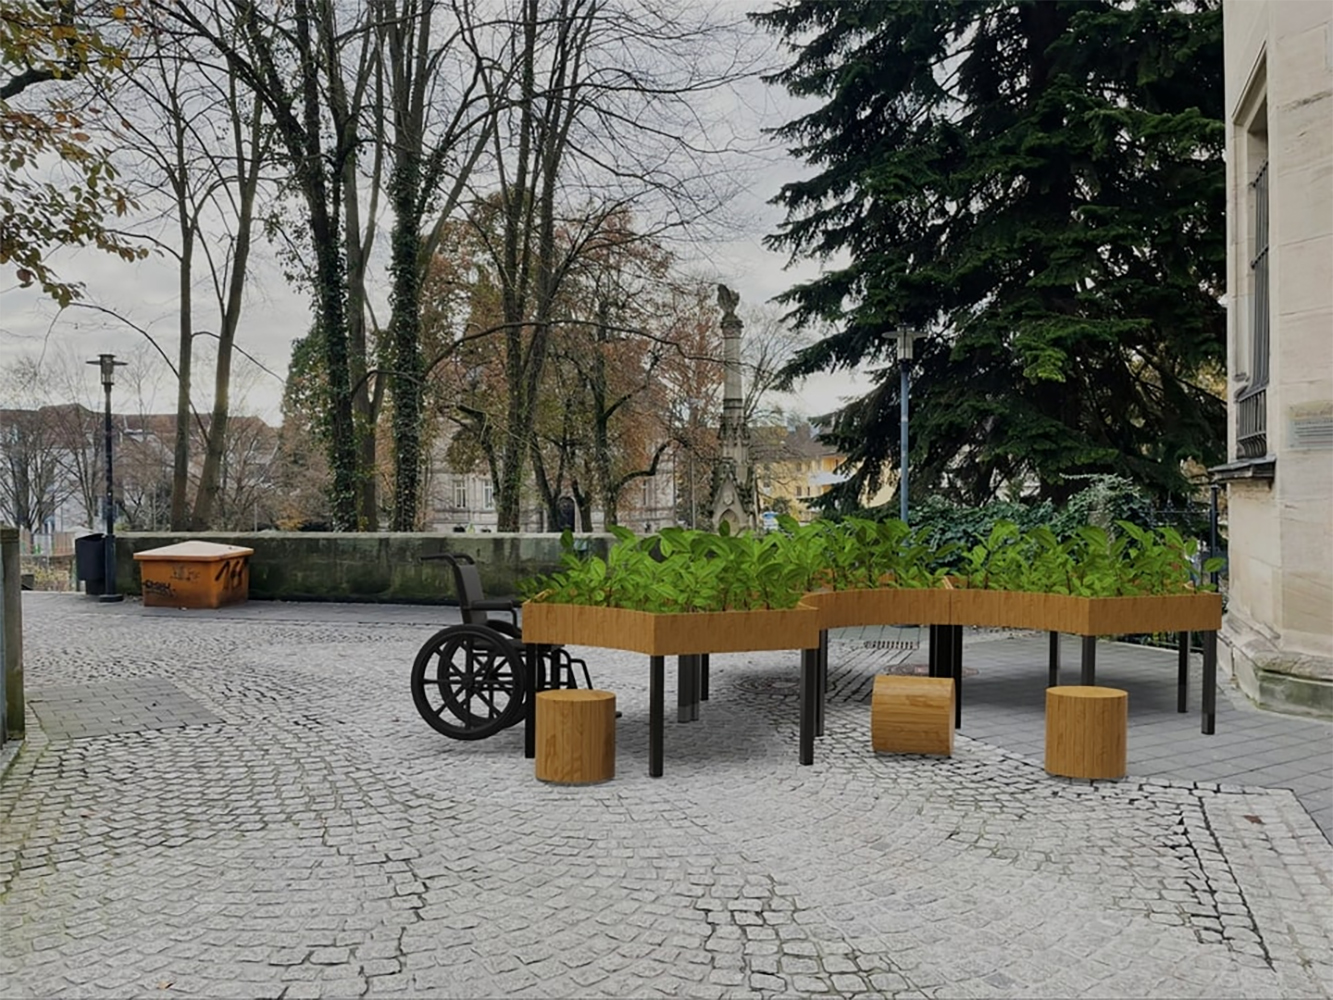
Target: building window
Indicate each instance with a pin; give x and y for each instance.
(488, 496)
(1250, 351)
(1252, 403)
(460, 492)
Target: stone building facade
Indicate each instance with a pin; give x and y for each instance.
(1278, 635)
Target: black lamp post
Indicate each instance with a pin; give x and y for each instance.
(906, 337)
(108, 365)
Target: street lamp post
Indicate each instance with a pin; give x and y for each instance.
(906, 339)
(108, 365)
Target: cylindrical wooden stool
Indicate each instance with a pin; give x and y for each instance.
(576, 736)
(912, 715)
(1085, 731)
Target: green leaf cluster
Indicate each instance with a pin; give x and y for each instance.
(1091, 562)
(677, 570)
(680, 570)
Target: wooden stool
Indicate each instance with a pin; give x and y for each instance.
(576, 736)
(912, 715)
(1085, 731)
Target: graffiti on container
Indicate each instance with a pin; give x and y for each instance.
(157, 588)
(231, 573)
(183, 571)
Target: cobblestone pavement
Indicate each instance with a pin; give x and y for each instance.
(269, 818)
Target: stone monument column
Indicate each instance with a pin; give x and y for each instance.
(733, 487)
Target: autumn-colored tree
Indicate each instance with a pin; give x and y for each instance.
(51, 52)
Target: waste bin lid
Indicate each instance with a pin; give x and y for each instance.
(194, 550)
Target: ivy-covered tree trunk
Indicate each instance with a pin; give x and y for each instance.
(323, 203)
(1040, 187)
(405, 331)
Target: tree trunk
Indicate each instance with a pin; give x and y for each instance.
(180, 464)
(206, 498)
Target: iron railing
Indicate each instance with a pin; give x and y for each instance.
(1252, 403)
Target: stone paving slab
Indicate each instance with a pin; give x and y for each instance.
(319, 840)
(126, 706)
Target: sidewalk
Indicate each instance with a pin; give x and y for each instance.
(245, 803)
(1004, 705)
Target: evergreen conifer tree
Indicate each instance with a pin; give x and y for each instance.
(1040, 184)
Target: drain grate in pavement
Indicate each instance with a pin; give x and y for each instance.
(891, 644)
(128, 706)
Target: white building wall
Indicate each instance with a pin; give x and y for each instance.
(1279, 69)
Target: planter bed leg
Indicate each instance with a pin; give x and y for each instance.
(809, 699)
(703, 677)
(1183, 673)
(1209, 683)
(687, 702)
(933, 651)
(1054, 679)
(656, 700)
(956, 663)
(533, 662)
(1088, 677)
(821, 704)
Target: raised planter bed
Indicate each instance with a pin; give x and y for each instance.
(671, 634)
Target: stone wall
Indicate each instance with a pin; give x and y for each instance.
(371, 567)
(1278, 634)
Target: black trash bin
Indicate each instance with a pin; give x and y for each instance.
(90, 562)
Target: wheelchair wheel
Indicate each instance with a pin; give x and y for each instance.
(467, 682)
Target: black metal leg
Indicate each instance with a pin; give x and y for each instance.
(822, 705)
(1183, 673)
(703, 677)
(656, 702)
(1209, 683)
(956, 663)
(1054, 679)
(809, 700)
(687, 703)
(933, 651)
(1089, 673)
(533, 658)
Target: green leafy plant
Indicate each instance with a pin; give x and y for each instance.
(679, 570)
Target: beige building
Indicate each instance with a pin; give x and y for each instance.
(1278, 633)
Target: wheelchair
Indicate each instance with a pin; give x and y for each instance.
(469, 680)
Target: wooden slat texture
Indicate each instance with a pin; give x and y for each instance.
(912, 715)
(576, 736)
(1085, 731)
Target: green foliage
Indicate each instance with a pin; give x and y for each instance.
(1091, 562)
(1040, 184)
(1103, 501)
(44, 206)
(680, 570)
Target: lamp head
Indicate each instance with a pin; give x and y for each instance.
(906, 337)
(108, 364)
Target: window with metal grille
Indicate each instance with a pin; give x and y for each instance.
(1252, 404)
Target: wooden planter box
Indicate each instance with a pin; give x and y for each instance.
(194, 575)
(880, 606)
(670, 634)
(1087, 615)
(1127, 615)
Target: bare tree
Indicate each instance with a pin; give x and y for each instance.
(199, 143)
(604, 115)
(293, 61)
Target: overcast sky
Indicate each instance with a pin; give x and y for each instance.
(145, 294)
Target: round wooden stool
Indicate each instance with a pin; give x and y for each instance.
(1085, 731)
(576, 736)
